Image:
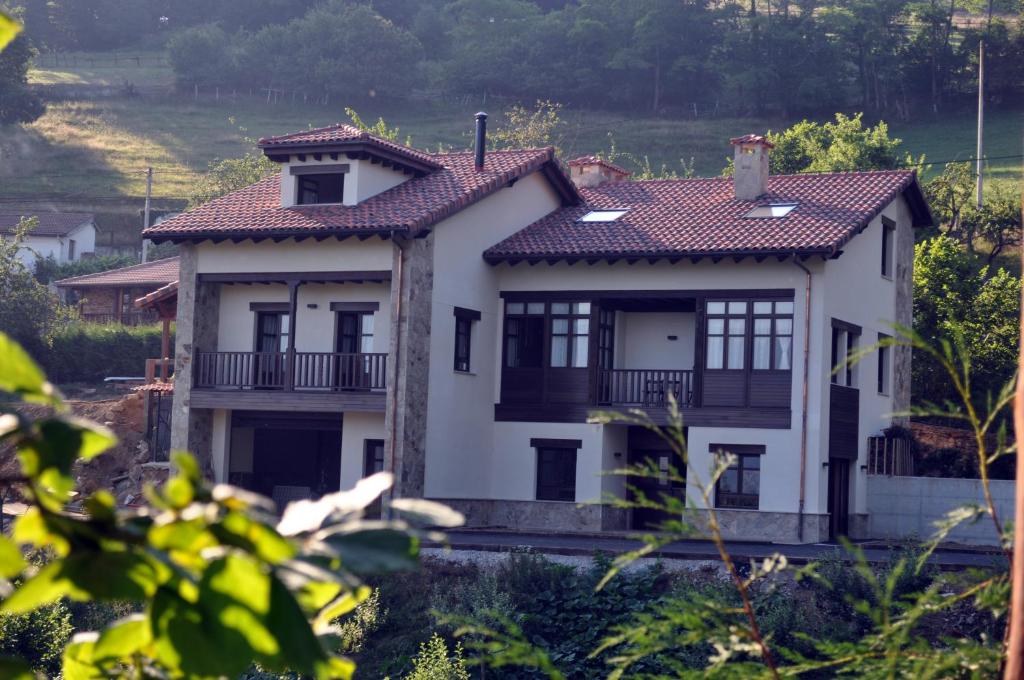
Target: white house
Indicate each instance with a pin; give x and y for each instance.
(456, 317)
(64, 236)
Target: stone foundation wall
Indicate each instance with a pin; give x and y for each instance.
(537, 515)
(775, 527)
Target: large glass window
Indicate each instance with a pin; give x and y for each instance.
(740, 484)
(726, 334)
(773, 336)
(524, 334)
(570, 334)
(556, 473)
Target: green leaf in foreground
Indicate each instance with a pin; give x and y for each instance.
(21, 376)
(9, 28)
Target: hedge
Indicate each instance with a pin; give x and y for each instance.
(85, 352)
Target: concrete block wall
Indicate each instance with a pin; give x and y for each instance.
(908, 507)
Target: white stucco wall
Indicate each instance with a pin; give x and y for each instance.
(315, 328)
(363, 179)
(309, 255)
(460, 435)
(221, 445)
(853, 289)
(644, 341)
(515, 461)
(356, 428)
(40, 247)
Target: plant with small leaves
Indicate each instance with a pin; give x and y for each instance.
(223, 583)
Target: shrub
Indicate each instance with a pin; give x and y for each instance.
(434, 663)
(355, 629)
(37, 637)
(84, 352)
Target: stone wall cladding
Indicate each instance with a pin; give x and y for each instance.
(533, 515)
(408, 376)
(775, 527)
(196, 326)
(904, 317)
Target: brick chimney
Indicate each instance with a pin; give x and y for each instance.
(591, 171)
(750, 158)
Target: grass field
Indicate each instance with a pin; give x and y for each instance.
(100, 147)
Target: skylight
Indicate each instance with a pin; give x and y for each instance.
(771, 210)
(603, 215)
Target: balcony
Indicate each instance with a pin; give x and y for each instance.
(309, 381)
(646, 388)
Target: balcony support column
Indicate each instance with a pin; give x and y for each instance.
(198, 316)
(293, 300)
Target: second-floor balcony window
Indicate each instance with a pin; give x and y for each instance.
(524, 334)
(570, 334)
(272, 331)
(727, 333)
(773, 336)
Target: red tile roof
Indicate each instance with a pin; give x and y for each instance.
(417, 203)
(701, 217)
(752, 139)
(157, 273)
(595, 160)
(342, 135)
(160, 294)
(50, 223)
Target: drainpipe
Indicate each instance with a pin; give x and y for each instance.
(396, 325)
(804, 398)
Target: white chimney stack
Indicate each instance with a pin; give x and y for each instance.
(750, 171)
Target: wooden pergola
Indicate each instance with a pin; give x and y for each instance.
(164, 301)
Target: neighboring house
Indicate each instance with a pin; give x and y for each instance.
(110, 296)
(64, 236)
(455, 318)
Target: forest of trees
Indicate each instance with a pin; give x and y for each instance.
(892, 58)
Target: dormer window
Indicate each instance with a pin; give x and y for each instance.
(316, 184)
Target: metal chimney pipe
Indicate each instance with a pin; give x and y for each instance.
(481, 139)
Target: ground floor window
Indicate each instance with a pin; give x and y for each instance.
(740, 484)
(556, 469)
(373, 457)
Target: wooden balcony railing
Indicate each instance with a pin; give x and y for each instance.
(133, 318)
(644, 387)
(310, 370)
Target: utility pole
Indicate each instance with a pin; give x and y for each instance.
(145, 212)
(981, 118)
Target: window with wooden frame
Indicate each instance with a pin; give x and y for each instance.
(570, 334)
(606, 338)
(71, 249)
(845, 338)
(272, 327)
(320, 183)
(726, 334)
(373, 462)
(888, 233)
(524, 334)
(772, 345)
(556, 468)
(884, 360)
(464, 319)
(739, 486)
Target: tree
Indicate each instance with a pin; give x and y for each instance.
(18, 104)
(231, 174)
(996, 224)
(29, 311)
(956, 300)
(221, 581)
(199, 55)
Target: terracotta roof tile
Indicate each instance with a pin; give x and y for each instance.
(156, 273)
(415, 204)
(161, 293)
(752, 139)
(341, 134)
(594, 160)
(702, 217)
(50, 224)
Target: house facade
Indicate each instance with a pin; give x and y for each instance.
(457, 318)
(109, 297)
(64, 236)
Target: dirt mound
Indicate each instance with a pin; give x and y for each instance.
(121, 470)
